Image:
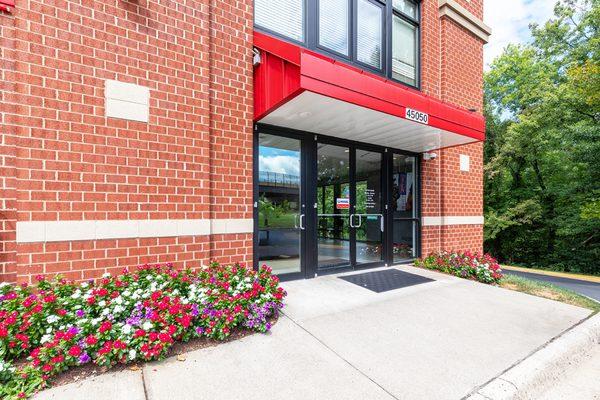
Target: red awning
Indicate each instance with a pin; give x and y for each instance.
(300, 89)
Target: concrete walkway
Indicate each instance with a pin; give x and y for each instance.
(437, 340)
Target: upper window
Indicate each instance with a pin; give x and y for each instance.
(333, 25)
(405, 41)
(378, 35)
(285, 17)
(369, 26)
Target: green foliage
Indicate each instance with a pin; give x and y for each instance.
(542, 174)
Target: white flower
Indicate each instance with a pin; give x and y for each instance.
(76, 295)
(132, 354)
(52, 319)
(45, 338)
(147, 325)
(106, 275)
(106, 311)
(119, 309)
(119, 300)
(126, 329)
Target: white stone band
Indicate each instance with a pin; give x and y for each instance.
(58, 231)
(452, 220)
(457, 13)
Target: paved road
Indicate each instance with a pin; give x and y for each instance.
(590, 289)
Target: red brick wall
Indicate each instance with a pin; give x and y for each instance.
(231, 116)
(7, 149)
(190, 161)
(447, 191)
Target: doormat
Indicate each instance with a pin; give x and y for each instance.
(385, 280)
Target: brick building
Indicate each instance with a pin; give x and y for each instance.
(309, 135)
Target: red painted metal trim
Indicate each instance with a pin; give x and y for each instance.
(320, 74)
(283, 50)
(7, 5)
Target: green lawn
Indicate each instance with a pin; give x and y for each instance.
(548, 291)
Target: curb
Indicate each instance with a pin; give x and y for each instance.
(556, 274)
(544, 366)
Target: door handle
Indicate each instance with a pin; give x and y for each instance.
(302, 221)
(352, 220)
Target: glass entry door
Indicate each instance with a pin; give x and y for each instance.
(349, 202)
(333, 207)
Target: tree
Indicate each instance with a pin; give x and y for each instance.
(542, 176)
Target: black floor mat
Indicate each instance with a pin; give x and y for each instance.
(388, 279)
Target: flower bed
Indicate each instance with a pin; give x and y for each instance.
(483, 268)
(132, 317)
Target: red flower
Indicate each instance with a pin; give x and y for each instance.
(91, 300)
(75, 351)
(153, 336)
(165, 338)
(140, 333)
(37, 308)
(50, 298)
(105, 326)
(91, 340)
(62, 312)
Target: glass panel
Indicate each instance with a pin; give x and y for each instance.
(282, 16)
(406, 7)
(368, 33)
(403, 207)
(333, 25)
(279, 203)
(404, 54)
(369, 236)
(333, 176)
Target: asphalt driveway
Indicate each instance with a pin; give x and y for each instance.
(337, 340)
(586, 288)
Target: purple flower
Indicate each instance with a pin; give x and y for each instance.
(80, 313)
(84, 358)
(73, 330)
(195, 310)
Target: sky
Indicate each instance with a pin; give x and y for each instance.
(510, 19)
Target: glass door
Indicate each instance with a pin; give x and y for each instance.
(333, 202)
(349, 203)
(280, 205)
(368, 214)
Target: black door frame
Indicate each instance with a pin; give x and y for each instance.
(308, 192)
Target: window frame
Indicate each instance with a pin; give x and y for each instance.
(311, 37)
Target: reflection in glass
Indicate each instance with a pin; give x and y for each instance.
(369, 236)
(403, 207)
(279, 203)
(333, 204)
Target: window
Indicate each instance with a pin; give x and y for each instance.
(369, 33)
(285, 17)
(405, 41)
(379, 35)
(333, 25)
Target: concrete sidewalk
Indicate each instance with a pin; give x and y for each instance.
(337, 340)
